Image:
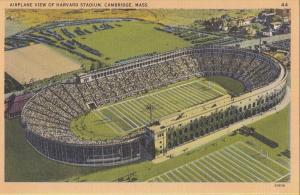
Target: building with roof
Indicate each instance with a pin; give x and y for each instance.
(14, 105)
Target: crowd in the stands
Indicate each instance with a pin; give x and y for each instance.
(50, 112)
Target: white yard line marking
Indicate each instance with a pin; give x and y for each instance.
(138, 111)
(229, 164)
(215, 158)
(250, 165)
(196, 173)
(213, 88)
(141, 103)
(285, 161)
(182, 95)
(205, 95)
(174, 175)
(145, 101)
(256, 161)
(196, 93)
(137, 117)
(232, 157)
(210, 94)
(217, 169)
(171, 100)
(164, 103)
(207, 166)
(201, 170)
(170, 179)
(266, 157)
(189, 174)
(182, 174)
(113, 126)
(161, 179)
(232, 162)
(157, 92)
(136, 126)
(218, 165)
(282, 177)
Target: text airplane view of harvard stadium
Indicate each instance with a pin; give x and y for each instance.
(147, 95)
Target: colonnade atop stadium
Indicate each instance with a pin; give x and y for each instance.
(47, 115)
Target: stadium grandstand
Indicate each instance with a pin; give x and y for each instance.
(48, 114)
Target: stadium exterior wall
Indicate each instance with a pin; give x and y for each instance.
(108, 154)
(143, 146)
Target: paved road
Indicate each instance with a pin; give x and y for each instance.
(253, 42)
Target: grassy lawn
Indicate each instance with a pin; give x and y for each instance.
(94, 127)
(10, 84)
(132, 38)
(146, 170)
(275, 128)
(24, 164)
(232, 85)
(126, 40)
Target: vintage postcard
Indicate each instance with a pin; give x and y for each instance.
(150, 97)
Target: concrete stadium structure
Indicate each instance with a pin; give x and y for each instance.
(47, 115)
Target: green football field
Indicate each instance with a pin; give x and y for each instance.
(228, 83)
(238, 162)
(123, 117)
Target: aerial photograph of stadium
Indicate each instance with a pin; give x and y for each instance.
(147, 95)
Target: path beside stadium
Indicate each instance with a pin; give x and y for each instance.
(252, 42)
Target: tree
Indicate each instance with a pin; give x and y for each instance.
(93, 67)
(233, 29)
(99, 65)
(276, 18)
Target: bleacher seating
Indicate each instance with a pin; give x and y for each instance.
(50, 112)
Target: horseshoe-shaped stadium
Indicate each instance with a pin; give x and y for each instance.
(48, 114)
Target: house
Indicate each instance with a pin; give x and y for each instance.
(285, 28)
(265, 17)
(276, 25)
(250, 30)
(216, 24)
(225, 28)
(286, 20)
(269, 14)
(267, 32)
(244, 22)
